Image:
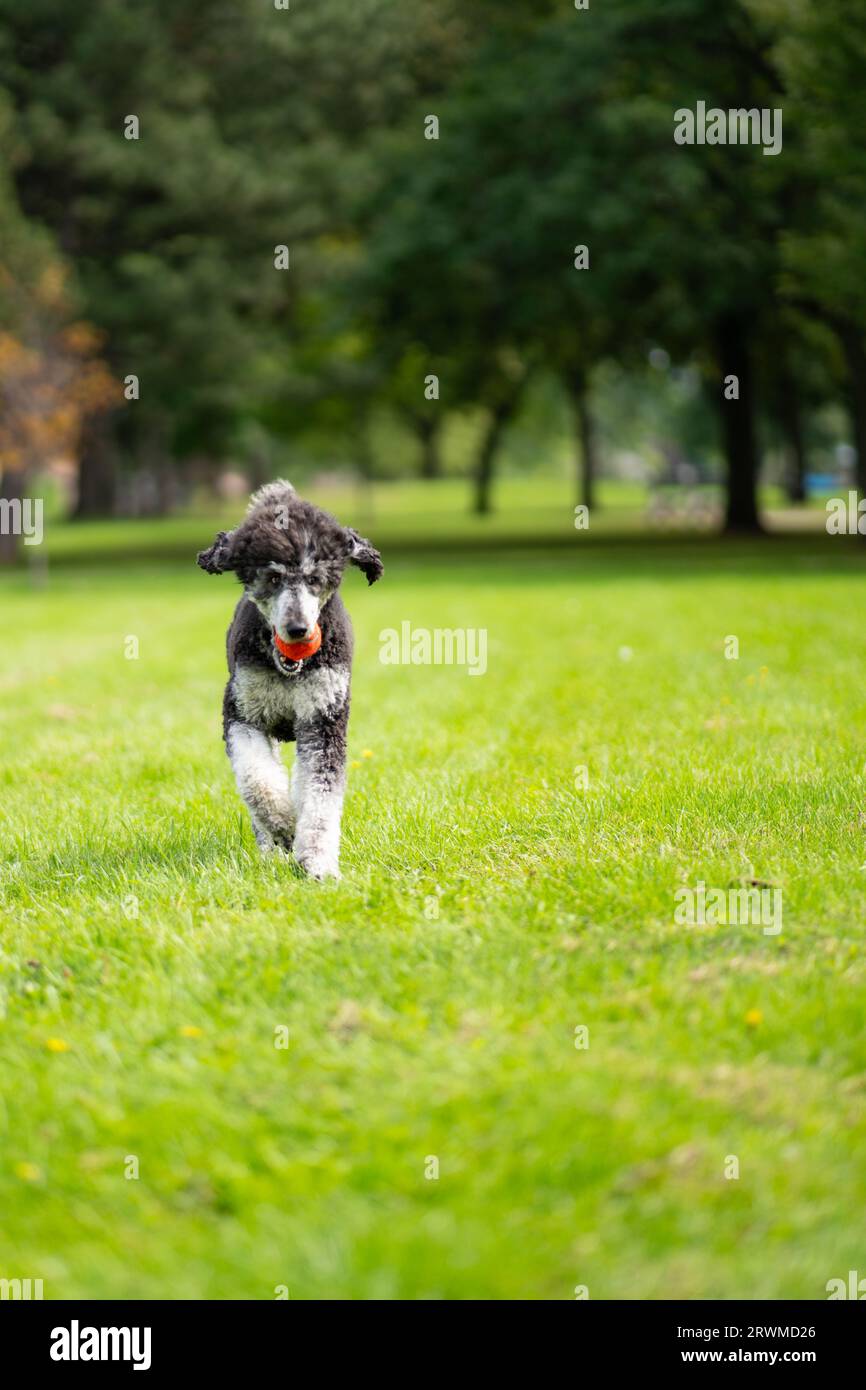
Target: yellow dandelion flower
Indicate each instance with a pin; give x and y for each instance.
(366, 752)
(28, 1172)
(56, 1045)
(754, 1017)
(189, 1030)
(354, 763)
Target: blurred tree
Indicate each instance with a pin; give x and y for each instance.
(799, 372)
(458, 256)
(821, 51)
(560, 135)
(250, 134)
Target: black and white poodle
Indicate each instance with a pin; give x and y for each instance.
(289, 653)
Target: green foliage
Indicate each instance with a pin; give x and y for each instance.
(305, 128)
(250, 123)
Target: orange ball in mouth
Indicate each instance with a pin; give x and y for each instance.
(299, 651)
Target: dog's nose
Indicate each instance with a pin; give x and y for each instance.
(296, 633)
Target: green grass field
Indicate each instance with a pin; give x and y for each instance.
(148, 957)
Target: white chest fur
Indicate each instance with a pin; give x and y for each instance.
(265, 698)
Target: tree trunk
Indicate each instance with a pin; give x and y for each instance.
(365, 463)
(428, 434)
(160, 466)
(490, 442)
(738, 429)
(792, 425)
(12, 489)
(586, 466)
(97, 477)
(260, 467)
(855, 358)
(167, 489)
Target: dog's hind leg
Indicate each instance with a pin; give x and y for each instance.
(263, 782)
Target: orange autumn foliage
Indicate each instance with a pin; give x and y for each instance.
(51, 376)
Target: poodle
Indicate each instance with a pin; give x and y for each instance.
(289, 652)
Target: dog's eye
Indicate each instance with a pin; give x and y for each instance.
(274, 581)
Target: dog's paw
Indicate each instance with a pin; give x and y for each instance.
(318, 865)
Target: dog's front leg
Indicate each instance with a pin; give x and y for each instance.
(319, 782)
(263, 782)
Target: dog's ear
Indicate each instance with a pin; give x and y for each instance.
(363, 554)
(218, 558)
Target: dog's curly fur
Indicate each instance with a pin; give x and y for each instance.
(290, 557)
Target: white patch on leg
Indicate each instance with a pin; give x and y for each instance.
(320, 810)
(263, 782)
